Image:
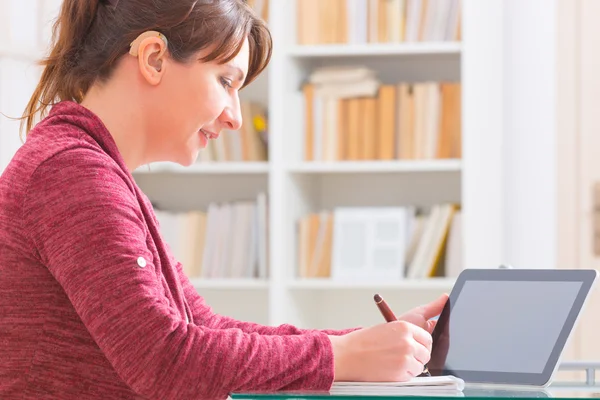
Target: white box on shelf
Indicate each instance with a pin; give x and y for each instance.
(369, 244)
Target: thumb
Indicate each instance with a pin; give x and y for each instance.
(435, 307)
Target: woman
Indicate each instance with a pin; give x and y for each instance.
(93, 303)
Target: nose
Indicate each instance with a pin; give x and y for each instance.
(231, 117)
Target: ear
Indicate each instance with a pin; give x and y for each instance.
(151, 53)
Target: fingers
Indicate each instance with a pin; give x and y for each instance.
(422, 354)
(422, 336)
(435, 307)
(415, 367)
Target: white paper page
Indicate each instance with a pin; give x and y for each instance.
(447, 382)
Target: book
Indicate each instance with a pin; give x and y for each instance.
(221, 240)
(350, 114)
(380, 243)
(432, 386)
(357, 22)
(447, 384)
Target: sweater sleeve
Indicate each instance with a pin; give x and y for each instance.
(86, 225)
(204, 315)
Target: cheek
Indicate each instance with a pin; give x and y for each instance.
(179, 101)
(211, 101)
(197, 98)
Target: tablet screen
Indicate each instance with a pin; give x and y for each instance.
(504, 328)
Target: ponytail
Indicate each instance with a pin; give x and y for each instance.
(59, 80)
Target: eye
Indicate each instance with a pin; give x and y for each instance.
(226, 83)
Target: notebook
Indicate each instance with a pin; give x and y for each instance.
(447, 385)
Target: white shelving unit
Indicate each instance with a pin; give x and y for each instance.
(296, 187)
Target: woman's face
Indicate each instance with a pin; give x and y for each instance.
(197, 101)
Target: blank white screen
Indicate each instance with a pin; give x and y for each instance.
(508, 326)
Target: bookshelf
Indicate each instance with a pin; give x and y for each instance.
(296, 187)
(422, 49)
(230, 284)
(407, 285)
(365, 167)
(209, 168)
(299, 186)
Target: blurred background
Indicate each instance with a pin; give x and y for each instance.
(390, 145)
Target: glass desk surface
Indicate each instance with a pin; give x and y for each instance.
(588, 388)
(558, 392)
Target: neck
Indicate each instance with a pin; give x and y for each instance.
(123, 120)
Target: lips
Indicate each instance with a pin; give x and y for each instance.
(209, 134)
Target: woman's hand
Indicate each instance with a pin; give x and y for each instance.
(393, 351)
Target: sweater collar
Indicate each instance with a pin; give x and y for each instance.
(83, 118)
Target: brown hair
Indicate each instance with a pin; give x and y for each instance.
(89, 37)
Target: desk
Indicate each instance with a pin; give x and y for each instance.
(572, 393)
(589, 388)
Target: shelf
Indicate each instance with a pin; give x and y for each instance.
(254, 284)
(376, 49)
(206, 168)
(316, 167)
(328, 284)
(347, 167)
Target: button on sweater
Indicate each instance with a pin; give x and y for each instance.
(92, 303)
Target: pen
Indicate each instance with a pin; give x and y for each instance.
(389, 316)
(386, 311)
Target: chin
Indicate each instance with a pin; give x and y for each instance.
(189, 160)
(186, 162)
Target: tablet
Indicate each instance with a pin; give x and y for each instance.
(508, 326)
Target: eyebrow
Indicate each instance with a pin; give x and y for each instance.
(238, 70)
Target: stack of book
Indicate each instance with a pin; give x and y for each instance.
(228, 240)
(377, 21)
(351, 115)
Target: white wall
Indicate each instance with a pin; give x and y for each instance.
(17, 81)
(483, 126)
(529, 184)
(588, 84)
(511, 151)
(25, 29)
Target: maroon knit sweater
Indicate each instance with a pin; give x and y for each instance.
(92, 303)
